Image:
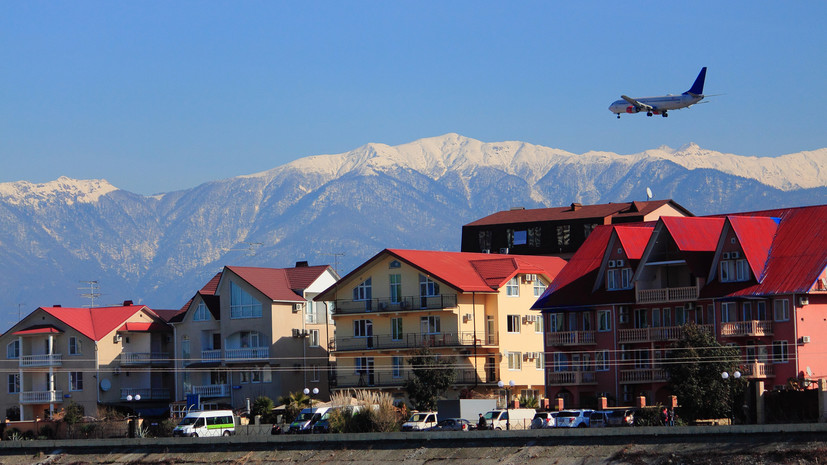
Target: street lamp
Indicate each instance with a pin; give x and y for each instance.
(307, 392)
(736, 374)
(130, 397)
(507, 401)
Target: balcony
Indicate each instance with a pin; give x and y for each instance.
(41, 397)
(144, 358)
(669, 294)
(757, 370)
(664, 333)
(411, 341)
(146, 393)
(211, 355)
(247, 353)
(405, 304)
(42, 360)
(643, 375)
(571, 378)
(212, 390)
(569, 338)
(350, 379)
(747, 328)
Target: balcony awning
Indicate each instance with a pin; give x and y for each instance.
(136, 327)
(41, 329)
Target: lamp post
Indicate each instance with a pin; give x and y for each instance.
(308, 392)
(735, 375)
(507, 401)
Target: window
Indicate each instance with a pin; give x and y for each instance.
(734, 270)
(680, 316)
(640, 318)
(201, 313)
(655, 317)
(561, 362)
(245, 377)
(242, 304)
(642, 358)
(604, 320)
(14, 383)
(618, 278)
(513, 323)
(779, 352)
(540, 361)
(728, 312)
(246, 339)
(13, 349)
(534, 235)
(185, 349)
(741, 270)
(315, 373)
(746, 310)
(727, 272)
(396, 329)
(313, 338)
(587, 321)
(563, 235)
(484, 239)
(427, 287)
(397, 367)
(362, 328)
(520, 237)
(255, 376)
(74, 346)
(539, 287)
(363, 290)
(601, 362)
(781, 309)
(556, 322)
(512, 288)
(75, 380)
(515, 361)
(761, 310)
(587, 229)
(396, 288)
(538, 324)
(429, 324)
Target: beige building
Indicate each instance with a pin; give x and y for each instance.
(90, 356)
(254, 331)
(471, 307)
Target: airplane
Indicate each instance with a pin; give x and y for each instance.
(660, 105)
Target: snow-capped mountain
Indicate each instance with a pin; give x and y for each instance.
(160, 249)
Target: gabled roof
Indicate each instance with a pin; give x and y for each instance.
(634, 239)
(755, 236)
(143, 327)
(272, 282)
(97, 322)
(694, 234)
(38, 329)
(466, 271)
(621, 211)
(301, 277)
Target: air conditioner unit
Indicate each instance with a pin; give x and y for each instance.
(690, 305)
(116, 371)
(504, 250)
(468, 317)
(619, 263)
(803, 300)
(297, 307)
(726, 255)
(297, 332)
(611, 263)
(486, 250)
(530, 278)
(117, 338)
(805, 339)
(526, 355)
(734, 255)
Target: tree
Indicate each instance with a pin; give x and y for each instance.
(695, 365)
(293, 404)
(263, 406)
(431, 376)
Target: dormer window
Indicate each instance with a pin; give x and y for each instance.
(618, 278)
(734, 270)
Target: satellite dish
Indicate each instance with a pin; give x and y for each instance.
(648, 194)
(105, 385)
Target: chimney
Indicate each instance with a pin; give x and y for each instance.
(57, 306)
(576, 206)
(301, 264)
(517, 208)
(127, 303)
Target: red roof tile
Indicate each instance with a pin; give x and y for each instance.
(97, 322)
(272, 282)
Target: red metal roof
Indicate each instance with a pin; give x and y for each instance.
(698, 234)
(135, 327)
(97, 322)
(39, 329)
(533, 215)
(272, 282)
(755, 235)
(634, 239)
(301, 277)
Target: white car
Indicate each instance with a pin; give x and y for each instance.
(573, 419)
(543, 420)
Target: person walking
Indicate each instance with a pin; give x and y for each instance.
(481, 423)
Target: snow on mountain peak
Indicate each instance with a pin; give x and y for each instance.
(63, 189)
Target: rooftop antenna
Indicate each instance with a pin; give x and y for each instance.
(648, 194)
(18, 311)
(336, 256)
(250, 249)
(94, 292)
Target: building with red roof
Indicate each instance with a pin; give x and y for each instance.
(756, 280)
(115, 356)
(557, 231)
(254, 331)
(470, 307)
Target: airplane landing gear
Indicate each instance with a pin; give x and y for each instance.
(618, 116)
(665, 114)
(648, 113)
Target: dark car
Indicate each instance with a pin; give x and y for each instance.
(452, 424)
(621, 417)
(598, 419)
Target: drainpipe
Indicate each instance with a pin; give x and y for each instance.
(97, 373)
(617, 353)
(474, 312)
(794, 318)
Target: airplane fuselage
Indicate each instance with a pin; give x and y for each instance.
(658, 104)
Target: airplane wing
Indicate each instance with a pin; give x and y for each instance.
(638, 105)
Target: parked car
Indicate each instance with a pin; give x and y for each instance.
(622, 417)
(452, 424)
(515, 418)
(306, 419)
(573, 419)
(599, 419)
(543, 420)
(206, 423)
(420, 421)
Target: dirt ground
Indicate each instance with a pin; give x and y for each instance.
(775, 449)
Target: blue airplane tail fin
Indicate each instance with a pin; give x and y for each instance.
(698, 86)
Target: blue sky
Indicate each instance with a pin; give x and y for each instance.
(157, 96)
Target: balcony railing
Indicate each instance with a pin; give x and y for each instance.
(211, 355)
(41, 397)
(412, 340)
(409, 303)
(747, 328)
(145, 393)
(571, 378)
(569, 338)
(247, 353)
(212, 390)
(349, 379)
(145, 358)
(41, 360)
(643, 375)
(758, 370)
(663, 333)
(669, 294)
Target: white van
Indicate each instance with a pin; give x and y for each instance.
(206, 423)
(515, 418)
(306, 419)
(420, 421)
